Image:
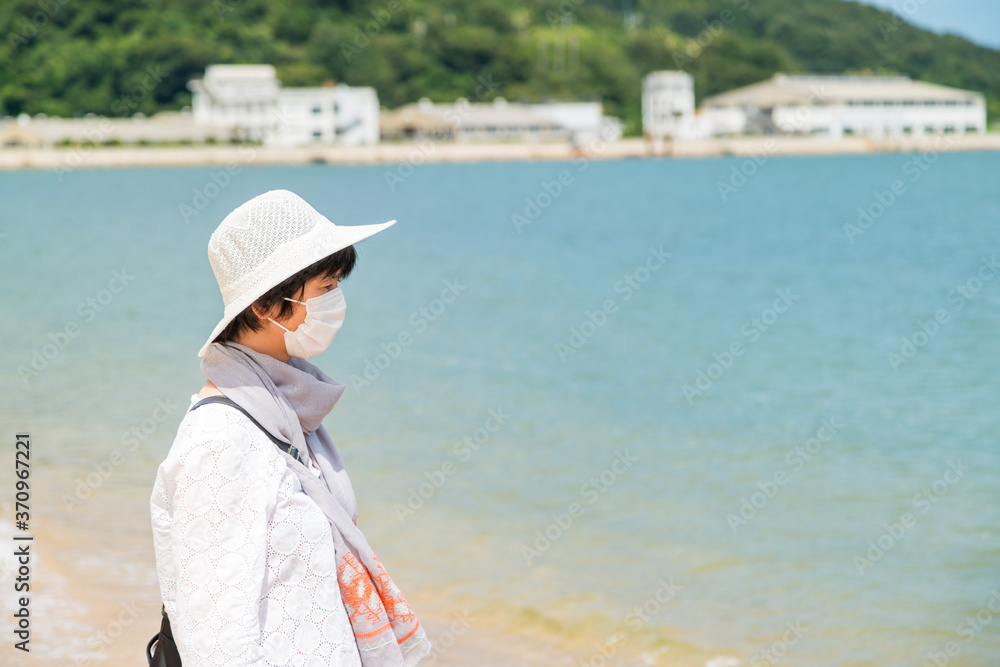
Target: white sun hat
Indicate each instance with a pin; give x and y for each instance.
(268, 239)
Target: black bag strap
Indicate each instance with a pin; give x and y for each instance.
(165, 653)
(292, 450)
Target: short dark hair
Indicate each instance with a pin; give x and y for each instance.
(338, 265)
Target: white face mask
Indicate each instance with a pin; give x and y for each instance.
(324, 316)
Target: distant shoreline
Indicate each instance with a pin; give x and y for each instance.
(63, 160)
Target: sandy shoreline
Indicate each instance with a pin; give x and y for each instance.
(95, 599)
(86, 611)
(69, 159)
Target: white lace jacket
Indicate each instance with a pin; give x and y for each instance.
(245, 559)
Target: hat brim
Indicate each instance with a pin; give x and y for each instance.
(322, 241)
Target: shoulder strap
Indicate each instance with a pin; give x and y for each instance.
(283, 446)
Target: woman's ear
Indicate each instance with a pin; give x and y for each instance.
(261, 314)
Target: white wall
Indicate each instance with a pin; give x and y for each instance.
(584, 120)
(357, 117)
(882, 121)
(341, 114)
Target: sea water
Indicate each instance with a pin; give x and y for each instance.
(673, 411)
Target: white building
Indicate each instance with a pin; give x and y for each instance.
(816, 105)
(242, 98)
(667, 104)
(585, 121)
(502, 121)
(339, 114)
(248, 100)
(668, 110)
(853, 105)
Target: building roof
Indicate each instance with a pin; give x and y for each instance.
(241, 72)
(789, 89)
(410, 117)
(499, 113)
(238, 83)
(667, 79)
(330, 92)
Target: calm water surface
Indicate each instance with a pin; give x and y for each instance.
(639, 413)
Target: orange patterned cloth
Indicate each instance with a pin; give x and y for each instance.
(376, 602)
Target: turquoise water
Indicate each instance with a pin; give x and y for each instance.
(577, 330)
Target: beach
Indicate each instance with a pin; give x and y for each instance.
(95, 599)
(104, 608)
(64, 160)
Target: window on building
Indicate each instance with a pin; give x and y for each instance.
(949, 129)
(907, 129)
(848, 131)
(951, 103)
(929, 129)
(317, 109)
(317, 135)
(908, 103)
(971, 129)
(930, 103)
(869, 103)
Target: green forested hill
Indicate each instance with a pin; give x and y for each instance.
(118, 57)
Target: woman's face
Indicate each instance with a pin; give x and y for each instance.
(313, 287)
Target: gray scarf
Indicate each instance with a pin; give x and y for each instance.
(290, 401)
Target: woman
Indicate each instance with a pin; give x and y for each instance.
(258, 553)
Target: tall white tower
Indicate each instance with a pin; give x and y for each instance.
(667, 100)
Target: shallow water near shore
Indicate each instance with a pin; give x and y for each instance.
(629, 419)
